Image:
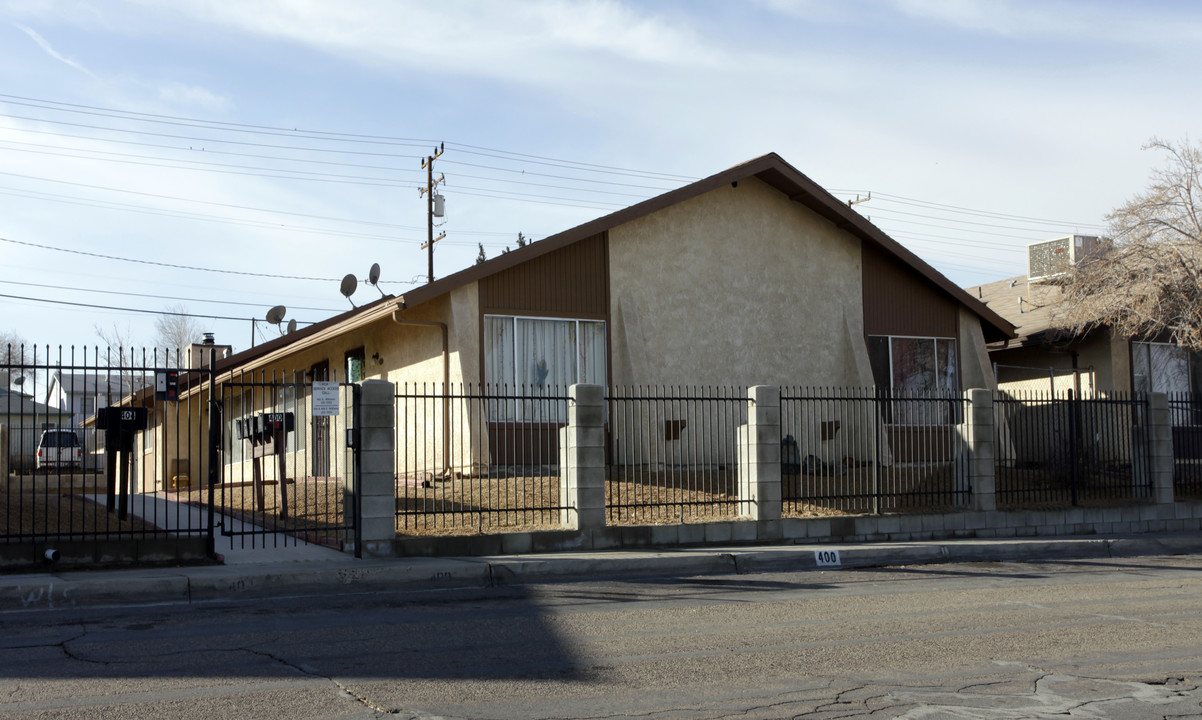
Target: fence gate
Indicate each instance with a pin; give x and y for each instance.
(287, 464)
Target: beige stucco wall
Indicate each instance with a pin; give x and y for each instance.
(408, 355)
(976, 370)
(739, 286)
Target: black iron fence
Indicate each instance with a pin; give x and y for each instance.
(862, 450)
(96, 438)
(1185, 416)
(672, 453)
(1060, 449)
(286, 467)
(474, 458)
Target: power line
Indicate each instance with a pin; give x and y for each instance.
(321, 135)
(137, 310)
(205, 202)
(158, 297)
(163, 264)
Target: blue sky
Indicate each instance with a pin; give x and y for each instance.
(285, 137)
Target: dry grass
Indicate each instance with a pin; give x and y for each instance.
(30, 509)
(314, 507)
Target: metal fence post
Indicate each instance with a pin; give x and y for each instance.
(1159, 449)
(981, 435)
(759, 455)
(3, 452)
(582, 459)
(376, 495)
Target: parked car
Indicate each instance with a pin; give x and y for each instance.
(59, 449)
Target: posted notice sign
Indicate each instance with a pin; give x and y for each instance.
(325, 399)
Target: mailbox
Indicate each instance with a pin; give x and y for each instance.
(277, 422)
(243, 428)
(120, 425)
(121, 418)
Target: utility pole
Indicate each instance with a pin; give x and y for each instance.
(433, 209)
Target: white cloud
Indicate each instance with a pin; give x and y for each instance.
(49, 50)
(535, 42)
(192, 96)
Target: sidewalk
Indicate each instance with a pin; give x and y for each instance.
(310, 570)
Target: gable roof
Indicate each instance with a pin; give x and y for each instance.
(770, 168)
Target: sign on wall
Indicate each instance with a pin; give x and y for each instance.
(325, 399)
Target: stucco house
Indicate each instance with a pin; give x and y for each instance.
(1043, 355)
(754, 275)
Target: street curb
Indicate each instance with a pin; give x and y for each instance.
(215, 583)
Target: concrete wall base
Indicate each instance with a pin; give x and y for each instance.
(1131, 520)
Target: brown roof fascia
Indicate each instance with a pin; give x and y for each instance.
(770, 168)
(248, 356)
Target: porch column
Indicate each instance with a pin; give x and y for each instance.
(979, 434)
(377, 475)
(582, 460)
(1159, 449)
(759, 455)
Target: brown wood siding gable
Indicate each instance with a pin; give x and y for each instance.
(570, 282)
(899, 301)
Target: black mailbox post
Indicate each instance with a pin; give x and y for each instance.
(121, 426)
(267, 434)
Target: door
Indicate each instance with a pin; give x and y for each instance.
(321, 426)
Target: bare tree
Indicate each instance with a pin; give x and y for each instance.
(119, 344)
(1148, 282)
(176, 331)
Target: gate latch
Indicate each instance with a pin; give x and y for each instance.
(352, 438)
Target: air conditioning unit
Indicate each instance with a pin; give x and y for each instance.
(1053, 258)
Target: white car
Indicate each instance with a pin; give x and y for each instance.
(59, 449)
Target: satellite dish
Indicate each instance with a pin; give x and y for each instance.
(275, 316)
(350, 284)
(291, 326)
(373, 277)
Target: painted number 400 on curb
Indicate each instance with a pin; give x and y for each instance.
(827, 557)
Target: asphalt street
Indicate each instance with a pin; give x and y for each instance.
(1097, 638)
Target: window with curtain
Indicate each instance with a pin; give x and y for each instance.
(1171, 369)
(917, 373)
(532, 357)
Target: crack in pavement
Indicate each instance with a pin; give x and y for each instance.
(342, 687)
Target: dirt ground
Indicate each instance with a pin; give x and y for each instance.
(316, 506)
(28, 515)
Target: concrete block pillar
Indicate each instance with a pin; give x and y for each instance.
(1159, 450)
(582, 459)
(377, 474)
(980, 433)
(759, 455)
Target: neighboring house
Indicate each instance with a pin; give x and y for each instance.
(25, 419)
(1044, 359)
(81, 394)
(1045, 356)
(755, 275)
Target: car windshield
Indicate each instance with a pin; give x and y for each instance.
(59, 439)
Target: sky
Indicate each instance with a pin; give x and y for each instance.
(219, 158)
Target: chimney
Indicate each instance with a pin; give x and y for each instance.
(198, 353)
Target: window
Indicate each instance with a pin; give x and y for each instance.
(354, 365)
(914, 371)
(540, 356)
(1168, 368)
